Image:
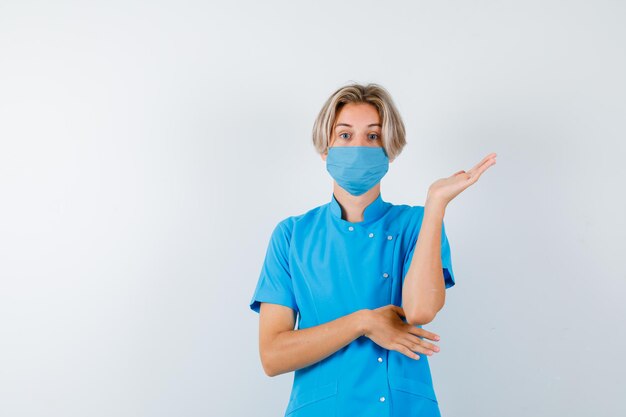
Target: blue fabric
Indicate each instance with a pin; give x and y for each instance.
(325, 267)
(357, 168)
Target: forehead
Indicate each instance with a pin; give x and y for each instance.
(357, 114)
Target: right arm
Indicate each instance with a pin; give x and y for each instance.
(284, 349)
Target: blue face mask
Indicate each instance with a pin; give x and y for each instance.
(357, 168)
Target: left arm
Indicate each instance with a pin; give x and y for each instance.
(423, 291)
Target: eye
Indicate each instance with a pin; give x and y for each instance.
(341, 135)
(375, 136)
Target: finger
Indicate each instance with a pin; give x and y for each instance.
(458, 172)
(408, 352)
(476, 174)
(424, 343)
(482, 162)
(477, 171)
(399, 310)
(418, 331)
(417, 347)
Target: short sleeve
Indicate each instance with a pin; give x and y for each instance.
(446, 258)
(274, 284)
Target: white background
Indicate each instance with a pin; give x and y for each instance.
(148, 149)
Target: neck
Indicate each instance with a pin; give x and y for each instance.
(352, 207)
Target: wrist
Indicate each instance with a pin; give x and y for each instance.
(435, 205)
(362, 321)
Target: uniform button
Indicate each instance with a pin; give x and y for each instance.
(389, 237)
(385, 275)
(371, 235)
(380, 359)
(382, 399)
(350, 228)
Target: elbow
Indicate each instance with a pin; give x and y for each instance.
(424, 315)
(272, 357)
(269, 371)
(421, 317)
(268, 366)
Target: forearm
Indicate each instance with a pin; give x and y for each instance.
(295, 349)
(423, 291)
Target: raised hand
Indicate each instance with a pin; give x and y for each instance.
(444, 190)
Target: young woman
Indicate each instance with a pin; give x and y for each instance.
(361, 274)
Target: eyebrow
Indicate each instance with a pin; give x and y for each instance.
(370, 125)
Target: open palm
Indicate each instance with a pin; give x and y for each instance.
(445, 189)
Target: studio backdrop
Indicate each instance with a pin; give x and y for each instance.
(148, 150)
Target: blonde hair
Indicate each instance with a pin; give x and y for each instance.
(393, 132)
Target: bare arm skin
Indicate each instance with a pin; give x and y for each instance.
(284, 349)
(423, 291)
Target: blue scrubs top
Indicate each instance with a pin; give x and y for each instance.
(325, 267)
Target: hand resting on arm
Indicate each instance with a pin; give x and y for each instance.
(284, 349)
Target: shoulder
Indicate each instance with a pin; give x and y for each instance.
(411, 209)
(407, 213)
(286, 225)
(308, 217)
